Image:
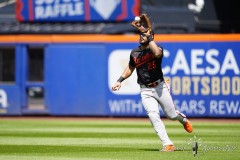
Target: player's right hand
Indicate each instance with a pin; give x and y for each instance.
(116, 86)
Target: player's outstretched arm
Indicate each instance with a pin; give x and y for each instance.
(127, 73)
(157, 52)
(155, 49)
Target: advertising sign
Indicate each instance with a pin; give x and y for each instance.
(204, 79)
(77, 10)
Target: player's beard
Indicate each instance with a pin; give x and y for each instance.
(144, 43)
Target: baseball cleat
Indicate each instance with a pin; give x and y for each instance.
(168, 148)
(188, 126)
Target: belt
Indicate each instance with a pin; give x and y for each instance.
(150, 85)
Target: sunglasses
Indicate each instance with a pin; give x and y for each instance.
(143, 35)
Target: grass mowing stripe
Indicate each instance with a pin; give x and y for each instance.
(61, 157)
(8, 149)
(75, 141)
(76, 135)
(111, 140)
(75, 123)
(81, 129)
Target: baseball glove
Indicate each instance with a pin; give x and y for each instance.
(143, 25)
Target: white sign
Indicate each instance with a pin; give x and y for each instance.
(105, 8)
(117, 62)
(3, 99)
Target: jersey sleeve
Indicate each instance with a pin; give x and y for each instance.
(131, 61)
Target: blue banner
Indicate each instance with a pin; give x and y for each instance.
(77, 10)
(204, 79)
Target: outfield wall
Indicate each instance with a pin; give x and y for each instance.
(79, 70)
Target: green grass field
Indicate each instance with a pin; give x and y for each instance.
(113, 139)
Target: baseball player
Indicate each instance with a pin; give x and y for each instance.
(147, 60)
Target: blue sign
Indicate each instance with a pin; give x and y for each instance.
(77, 10)
(204, 79)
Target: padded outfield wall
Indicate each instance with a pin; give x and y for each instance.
(204, 71)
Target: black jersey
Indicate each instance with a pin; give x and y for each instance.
(147, 65)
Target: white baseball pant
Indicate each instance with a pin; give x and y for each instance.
(151, 99)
